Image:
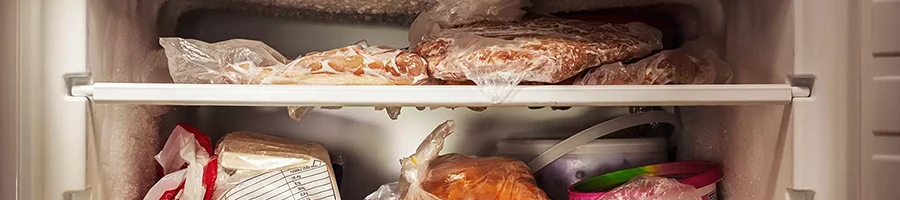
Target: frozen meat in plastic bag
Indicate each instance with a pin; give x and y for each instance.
(693, 63)
(357, 64)
(185, 159)
(499, 55)
(427, 176)
(652, 188)
(236, 61)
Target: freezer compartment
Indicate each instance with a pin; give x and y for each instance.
(371, 144)
(748, 141)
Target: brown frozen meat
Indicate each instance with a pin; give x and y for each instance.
(667, 67)
(547, 50)
(355, 65)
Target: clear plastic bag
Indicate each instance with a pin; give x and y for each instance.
(385, 192)
(449, 13)
(652, 188)
(357, 64)
(252, 62)
(500, 55)
(693, 63)
(235, 61)
(427, 176)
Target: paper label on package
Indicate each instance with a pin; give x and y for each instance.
(305, 183)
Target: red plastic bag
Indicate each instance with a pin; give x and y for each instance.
(189, 166)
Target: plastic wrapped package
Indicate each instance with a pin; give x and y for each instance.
(185, 159)
(693, 63)
(499, 55)
(357, 64)
(252, 62)
(449, 13)
(425, 175)
(235, 61)
(652, 188)
(248, 161)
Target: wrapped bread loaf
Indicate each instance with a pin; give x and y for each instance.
(257, 166)
(425, 175)
(547, 50)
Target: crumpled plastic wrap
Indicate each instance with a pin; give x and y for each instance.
(425, 175)
(499, 55)
(449, 13)
(241, 61)
(652, 188)
(236, 61)
(693, 63)
(248, 161)
(388, 191)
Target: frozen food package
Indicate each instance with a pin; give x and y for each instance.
(652, 188)
(448, 13)
(184, 160)
(693, 63)
(236, 61)
(499, 55)
(425, 175)
(357, 64)
(257, 166)
(241, 61)
(252, 62)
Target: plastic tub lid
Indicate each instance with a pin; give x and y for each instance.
(599, 146)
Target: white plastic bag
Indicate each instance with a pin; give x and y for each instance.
(652, 188)
(184, 160)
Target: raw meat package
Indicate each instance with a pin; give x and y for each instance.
(252, 62)
(257, 166)
(358, 64)
(425, 175)
(693, 63)
(547, 50)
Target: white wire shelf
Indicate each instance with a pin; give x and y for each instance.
(295, 95)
